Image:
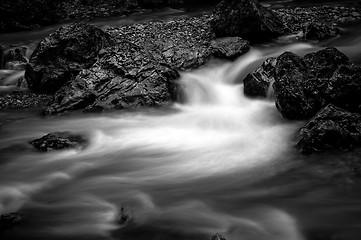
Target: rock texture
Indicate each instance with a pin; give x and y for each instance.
(246, 19)
(319, 31)
(302, 86)
(126, 76)
(183, 43)
(229, 47)
(59, 140)
(258, 83)
(63, 54)
(331, 128)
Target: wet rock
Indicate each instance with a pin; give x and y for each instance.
(229, 47)
(125, 216)
(290, 77)
(303, 86)
(127, 76)
(257, 84)
(62, 55)
(14, 58)
(331, 128)
(246, 19)
(59, 140)
(9, 220)
(319, 31)
(217, 236)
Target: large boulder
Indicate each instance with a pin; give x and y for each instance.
(247, 19)
(62, 55)
(331, 128)
(58, 141)
(290, 78)
(126, 76)
(303, 86)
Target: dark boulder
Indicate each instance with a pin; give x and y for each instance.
(290, 78)
(247, 19)
(258, 83)
(59, 140)
(319, 31)
(62, 55)
(303, 86)
(229, 47)
(331, 128)
(126, 76)
(9, 220)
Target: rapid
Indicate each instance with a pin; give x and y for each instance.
(217, 163)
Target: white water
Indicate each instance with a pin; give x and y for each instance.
(167, 167)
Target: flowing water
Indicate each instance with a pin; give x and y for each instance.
(220, 162)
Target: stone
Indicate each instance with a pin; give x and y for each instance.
(290, 77)
(217, 236)
(62, 55)
(319, 31)
(9, 220)
(58, 141)
(126, 76)
(14, 58)
(247, 19)
(303, 86)
(332, 128)
(229, 47)
(258, 83)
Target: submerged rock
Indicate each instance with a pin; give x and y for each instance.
(59, 140)
(62, 55)
(126, 76)
(14, 58)
(258, 83)
(303, 86)
(9, 220)
(319, 31)
(247, 19)
(331, 128)
(217, 236)
(229, 47)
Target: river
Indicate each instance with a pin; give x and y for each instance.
(220, 162)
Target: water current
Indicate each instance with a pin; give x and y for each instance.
(220, 162)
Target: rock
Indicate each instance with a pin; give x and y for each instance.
(14, 58)
(246, 19)
(290, 77)
(125, 216)
(303, 86)
(62, 55)
(126, 76)
(331, 128)
(319, 31)
(9, 220)
(59, 140)
(229, 47)
(217, 236)
(257, 84)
